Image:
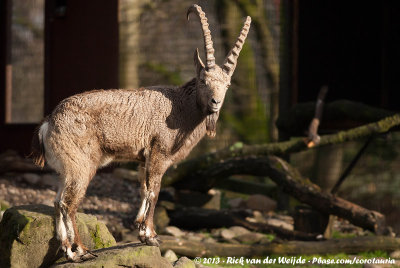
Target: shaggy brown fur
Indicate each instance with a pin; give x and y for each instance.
(155, 126)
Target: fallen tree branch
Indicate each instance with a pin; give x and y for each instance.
(190, 168)
(197, 218)
(291, 182)
(333, 246)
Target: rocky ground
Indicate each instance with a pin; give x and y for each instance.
(110, 198)
(114, 198)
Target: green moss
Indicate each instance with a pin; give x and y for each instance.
(236, 146)
(337, 234)
(24, 235)
(270, 237)
(4, 205)
(98, 242)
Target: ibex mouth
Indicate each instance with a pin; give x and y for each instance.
(213, 109)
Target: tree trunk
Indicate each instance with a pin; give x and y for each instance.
(129, 42)
(198, 218)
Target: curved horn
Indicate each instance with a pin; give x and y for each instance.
(231, 60)
(208, 44)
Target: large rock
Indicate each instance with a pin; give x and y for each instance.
(261, 203)
(3, 207)
(27, 236)
(250, 238)
(128, 255)
(184, 262)
(161, 219)
(170, 256)
(174, 231)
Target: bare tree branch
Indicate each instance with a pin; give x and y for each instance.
(313, 137)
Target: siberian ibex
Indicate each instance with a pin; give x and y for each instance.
(156, 126)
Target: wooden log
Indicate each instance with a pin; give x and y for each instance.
(194, 218)
(334, 246)
(291, 182)
(198, 218)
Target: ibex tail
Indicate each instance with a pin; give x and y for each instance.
(38, 151)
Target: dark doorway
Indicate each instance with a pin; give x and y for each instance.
(50, 50)
(351, 46)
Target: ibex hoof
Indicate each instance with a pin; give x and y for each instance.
(150, 241)
(81, 257)
(153, 241)
(79, 254)
(88, 256)
(142, 239)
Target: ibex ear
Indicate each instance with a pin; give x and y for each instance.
(197, 62)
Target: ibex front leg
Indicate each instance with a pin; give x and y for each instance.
(150, 177)
(144, 199)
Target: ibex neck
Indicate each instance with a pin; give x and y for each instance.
(189, 87)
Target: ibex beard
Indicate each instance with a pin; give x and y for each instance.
(155, 126)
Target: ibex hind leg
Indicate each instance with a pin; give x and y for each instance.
(70, 194)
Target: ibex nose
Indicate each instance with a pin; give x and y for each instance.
(214, 101)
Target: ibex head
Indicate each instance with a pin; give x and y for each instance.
(212, 80)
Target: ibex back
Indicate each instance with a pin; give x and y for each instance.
(156, 126)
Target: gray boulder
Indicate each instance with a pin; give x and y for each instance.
(261, 203)
(127, 255)
(170, 256)
(27, 236)
(130, 255)
(184, 262)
